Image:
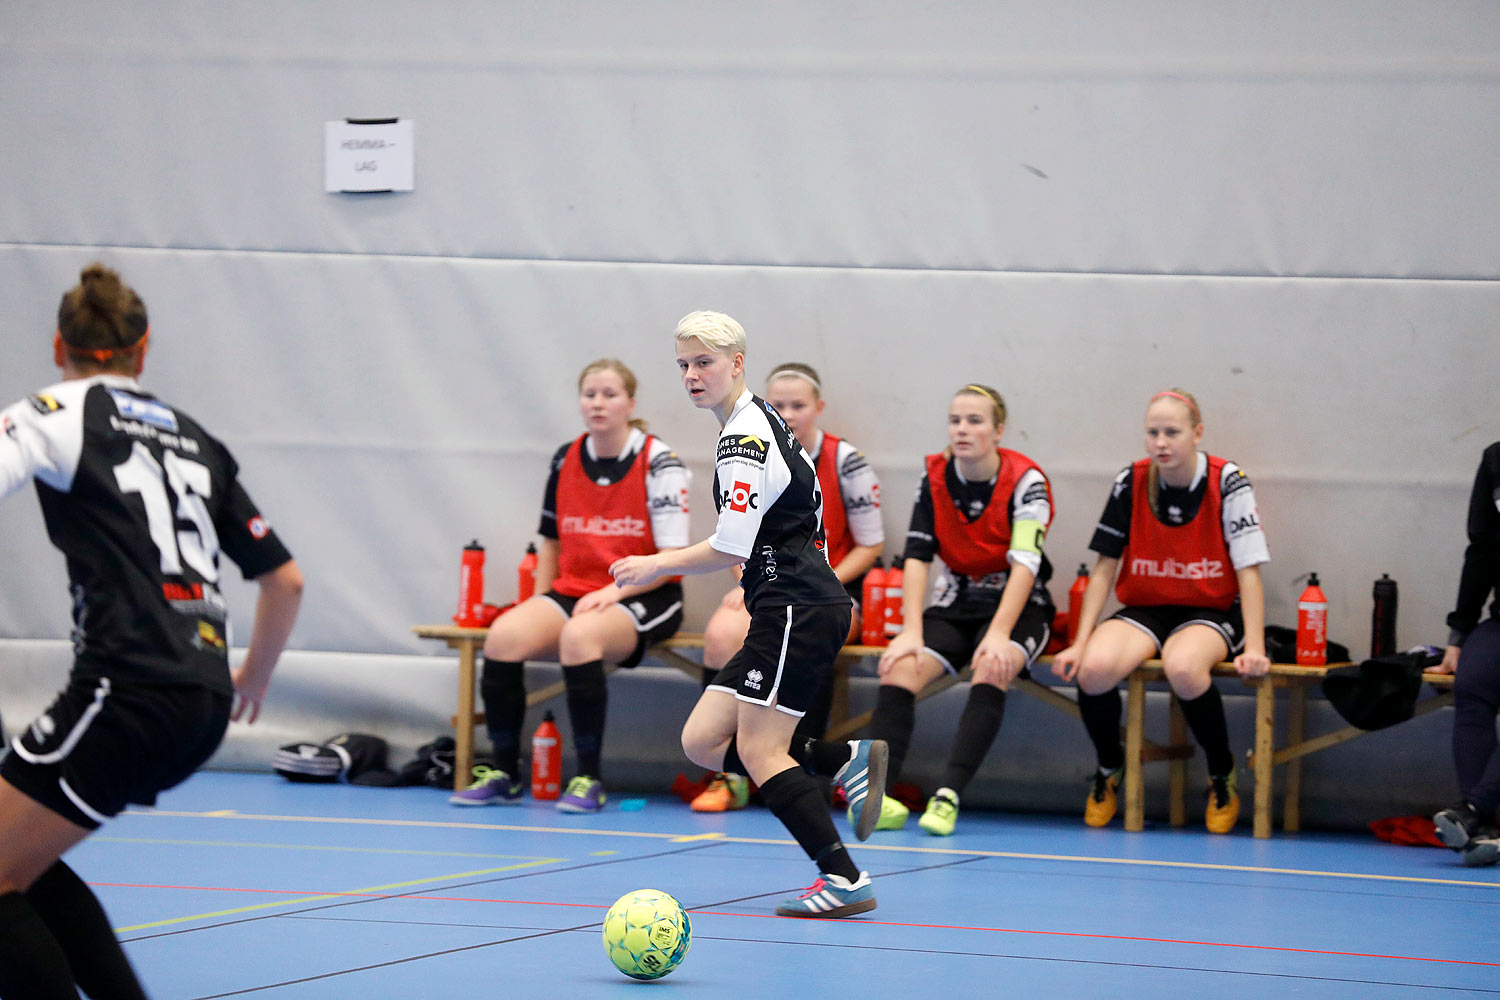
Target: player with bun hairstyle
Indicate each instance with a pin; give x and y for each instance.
(141, 501)
(1182, 530)
(770, 522)
(613, 491)
(851, 520)
(984, 510)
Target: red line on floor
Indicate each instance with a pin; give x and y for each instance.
(878, 923)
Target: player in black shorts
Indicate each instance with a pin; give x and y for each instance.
(985, 511)
(141, 501)
(770, 520)
(614, 490)
(1182, 529)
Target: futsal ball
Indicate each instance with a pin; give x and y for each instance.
(646, 934)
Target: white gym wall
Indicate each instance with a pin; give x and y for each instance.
(1289, 209)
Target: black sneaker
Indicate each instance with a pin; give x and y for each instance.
(1457, 825)
(1483, 848)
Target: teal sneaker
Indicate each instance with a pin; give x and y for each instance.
(863, 780)
(831, 896)
(941, 814)
(892, 814)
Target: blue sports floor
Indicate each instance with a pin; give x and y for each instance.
(246, 885)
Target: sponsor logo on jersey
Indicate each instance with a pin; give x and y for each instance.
(147, 411)
(666, 460)
(768, 562)
(44, 404)
(208, 637)
(1035, 493)
(1240, 525)
(258, 527)
(853, 464)
(753, 679)
(1234, 483)
(1171, 569)
(195, 599)
(603, 527)
(741, 498)
(747, 446)
(670, 501)
(871, 501)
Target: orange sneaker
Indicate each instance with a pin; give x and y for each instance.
(1223, 803)
(725, 793)
(1102, 802)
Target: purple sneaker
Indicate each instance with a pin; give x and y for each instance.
(584, 795)
(490, 788)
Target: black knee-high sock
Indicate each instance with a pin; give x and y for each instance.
(795, 799)
(32, 962)
(977, 729)
(895, 718)
(1205, 717)
(1101, 717)
(820, 757)
(502, 685)
(72, 913)
(588, 700)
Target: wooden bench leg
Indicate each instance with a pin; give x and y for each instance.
(1265, 731)
(463, 735)
(1291, 796)
(1178, 737)
(1135, 782)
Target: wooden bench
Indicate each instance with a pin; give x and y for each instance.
(1139, 751)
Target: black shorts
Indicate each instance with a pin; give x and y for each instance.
(657, 615)
(952, 634)
(1161, 621)
(104, 744)
(787, 653)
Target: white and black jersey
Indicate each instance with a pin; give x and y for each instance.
(1177, 506)
(141, 500)
(667, 483)
(771, 510)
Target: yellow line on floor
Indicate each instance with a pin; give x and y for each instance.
(301, 900)
(893, 848)
(307, 847)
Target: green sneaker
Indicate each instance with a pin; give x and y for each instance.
(941, 814)
(892, 815)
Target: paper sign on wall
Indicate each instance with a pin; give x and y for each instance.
(369, 154)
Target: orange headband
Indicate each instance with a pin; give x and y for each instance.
(101, 355)
(1174, 395)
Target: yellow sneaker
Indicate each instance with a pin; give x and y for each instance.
(725, 793)
(1223, 803)
(1099, 808)
(892, 814)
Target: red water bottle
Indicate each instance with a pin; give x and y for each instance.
(894, 614)
(546, 760)
(471, 586)
(526, 574)
(872, 607)
(1312, 625)
(1075, 601)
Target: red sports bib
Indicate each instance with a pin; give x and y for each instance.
(1184, 564)
(977, 548)
(598, 524)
